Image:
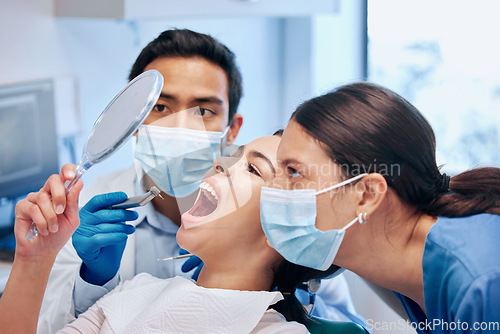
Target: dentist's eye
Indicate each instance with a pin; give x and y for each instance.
(252, 169)
(160, 108)
(292, 172)
(205, 112)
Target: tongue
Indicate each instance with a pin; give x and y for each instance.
(203, 207)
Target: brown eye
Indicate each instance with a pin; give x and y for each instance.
(160, 108)
(292, 172)
(205, 112)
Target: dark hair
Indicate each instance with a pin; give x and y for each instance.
(287, 278)
(368, 128)
(186, 43)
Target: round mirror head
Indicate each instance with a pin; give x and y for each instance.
(123, 115)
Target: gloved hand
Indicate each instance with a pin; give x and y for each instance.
(101, 237)
(191, 263)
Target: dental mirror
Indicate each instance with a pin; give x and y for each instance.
(117, 123)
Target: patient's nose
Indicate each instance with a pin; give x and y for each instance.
(221, 165)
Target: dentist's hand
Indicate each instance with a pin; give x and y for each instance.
(101, 237)
(191, 263)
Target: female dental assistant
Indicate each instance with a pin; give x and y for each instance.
(360, 187)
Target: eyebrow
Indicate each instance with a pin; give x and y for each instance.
(291, 161)
(257, 154)
(209, 99)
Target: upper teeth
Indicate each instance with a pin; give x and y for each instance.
(209, 188)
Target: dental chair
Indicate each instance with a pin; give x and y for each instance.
(317, 325)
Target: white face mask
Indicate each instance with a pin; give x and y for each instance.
(288, 219)
(177, 159)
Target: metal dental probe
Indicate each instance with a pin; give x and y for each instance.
(175, 257)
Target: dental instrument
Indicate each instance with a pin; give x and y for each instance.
(175, 257)
(136, 201)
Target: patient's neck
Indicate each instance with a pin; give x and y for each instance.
(240, 276)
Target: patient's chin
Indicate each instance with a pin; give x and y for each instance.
(184, 240)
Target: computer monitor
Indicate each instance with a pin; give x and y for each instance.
(28, 139)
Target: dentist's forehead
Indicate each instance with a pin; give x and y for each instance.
(297, 146)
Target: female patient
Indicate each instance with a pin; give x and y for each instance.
(222, 228)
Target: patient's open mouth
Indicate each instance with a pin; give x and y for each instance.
(206, 203)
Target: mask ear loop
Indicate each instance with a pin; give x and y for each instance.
(343, 183)
(361, 219)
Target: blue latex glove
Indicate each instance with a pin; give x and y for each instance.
(191, 263)
(101, 237)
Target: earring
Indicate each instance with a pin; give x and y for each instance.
(362, 218)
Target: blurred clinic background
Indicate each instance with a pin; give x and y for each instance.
(62, 61)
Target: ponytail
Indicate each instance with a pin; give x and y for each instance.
(471, 192)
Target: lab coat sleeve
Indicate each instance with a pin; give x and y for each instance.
(85, 294)
(479, 306)
(333, 301)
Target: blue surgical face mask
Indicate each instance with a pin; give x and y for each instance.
(288, 219)
(177, 159)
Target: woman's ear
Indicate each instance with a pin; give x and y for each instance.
(372, 191)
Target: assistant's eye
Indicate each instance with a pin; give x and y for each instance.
(252, 169)
(160, 108)
(292, 172)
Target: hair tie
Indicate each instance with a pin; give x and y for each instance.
(444, 183)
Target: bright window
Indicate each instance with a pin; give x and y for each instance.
(444, 57)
